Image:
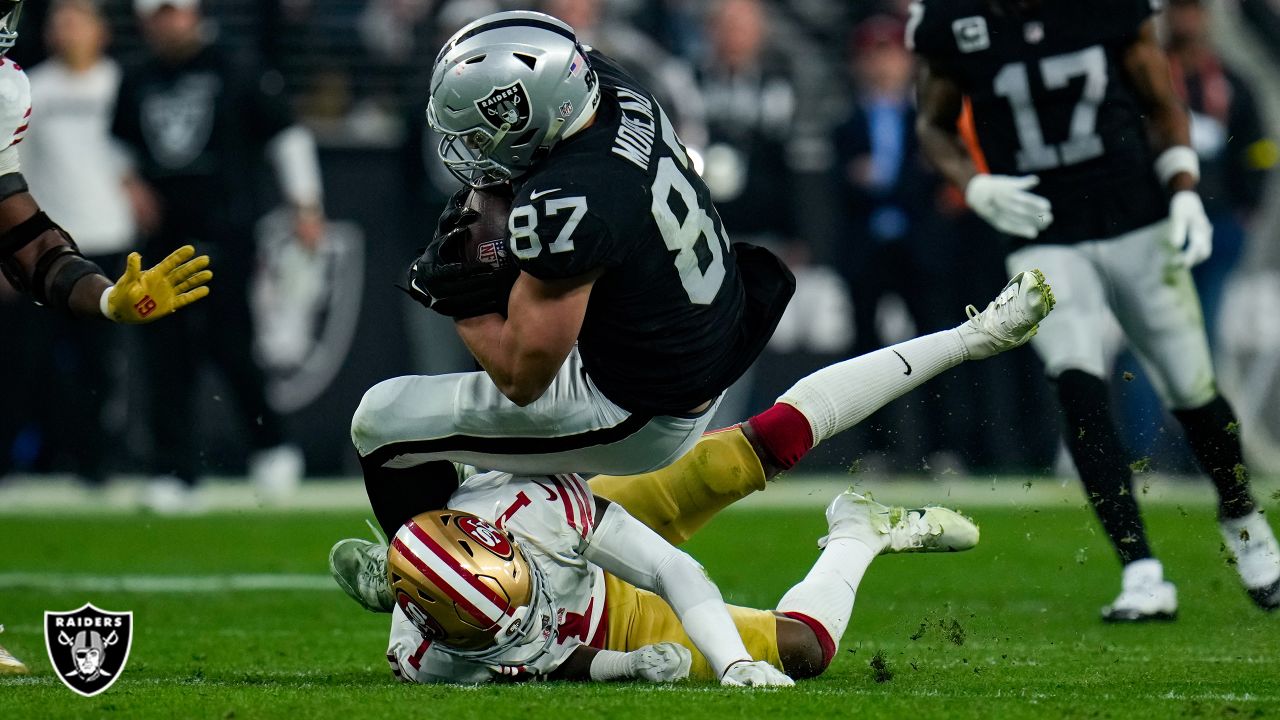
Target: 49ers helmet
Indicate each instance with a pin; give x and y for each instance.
(466, 585)
(504, 90)
(10, 11)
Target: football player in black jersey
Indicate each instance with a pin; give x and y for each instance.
(1081, 156)
(625, 312)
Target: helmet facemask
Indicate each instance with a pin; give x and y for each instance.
(467, 585)
(504, 90)
(10, 12)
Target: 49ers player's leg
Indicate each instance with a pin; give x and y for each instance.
(727, 465)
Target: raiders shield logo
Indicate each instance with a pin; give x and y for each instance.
(88, 647)
(506, 106)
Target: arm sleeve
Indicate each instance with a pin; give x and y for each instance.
(296, 161)
(627, 548)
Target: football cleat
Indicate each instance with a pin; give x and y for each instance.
(897, 529)
(360, 569)
(1144, 595)
(10, 665)
(1011, 319)
(1257, 555)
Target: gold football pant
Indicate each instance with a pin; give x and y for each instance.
(676, 502)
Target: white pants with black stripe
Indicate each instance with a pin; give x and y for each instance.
(464, 418)
(1134, 278)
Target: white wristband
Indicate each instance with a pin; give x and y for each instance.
(610, 665)
(103, 305)
(1177, 159)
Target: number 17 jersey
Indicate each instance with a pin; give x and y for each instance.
(1050, 97)
(670, 323)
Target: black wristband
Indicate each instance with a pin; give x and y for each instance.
(12, 184)
(64, 282)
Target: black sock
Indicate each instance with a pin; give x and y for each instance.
(1214, 436)
(1102, 462)
(396, 495)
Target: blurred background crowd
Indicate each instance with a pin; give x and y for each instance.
(801, 110)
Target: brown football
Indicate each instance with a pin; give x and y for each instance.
(487, 239)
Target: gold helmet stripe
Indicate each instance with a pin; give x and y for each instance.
(464, 588)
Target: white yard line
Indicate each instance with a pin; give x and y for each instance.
(153, 584)
(60, 495)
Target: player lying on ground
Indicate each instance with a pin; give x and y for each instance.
(533, 575)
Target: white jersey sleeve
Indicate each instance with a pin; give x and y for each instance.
(15, 104)
(553, 519)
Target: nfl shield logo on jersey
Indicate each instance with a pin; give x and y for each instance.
(88, 647)
(506, 106)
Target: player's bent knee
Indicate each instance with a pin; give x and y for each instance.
(800, 649)
(368, 423)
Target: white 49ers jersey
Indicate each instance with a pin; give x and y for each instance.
(15, 113)
(552, 518)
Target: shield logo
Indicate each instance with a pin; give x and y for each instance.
(506, 106)
(88, 647)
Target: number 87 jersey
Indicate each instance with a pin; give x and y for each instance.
(670, 323)
(1050, 97)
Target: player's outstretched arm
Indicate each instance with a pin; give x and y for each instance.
(42, 261)
(1177, 164)
(631, 551)
(660, 662)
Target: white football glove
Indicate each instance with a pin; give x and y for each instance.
(664, 662)
(1003, 201)
(1190, 232)
(755, 674)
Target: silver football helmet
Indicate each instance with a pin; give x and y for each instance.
(504, 90)
(10, 11)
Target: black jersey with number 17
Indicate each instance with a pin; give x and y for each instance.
(677, 314)
(1050, 97)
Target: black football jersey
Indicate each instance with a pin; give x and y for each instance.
(667, 326)
(1050, 97)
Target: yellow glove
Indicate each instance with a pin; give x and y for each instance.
(142, 297)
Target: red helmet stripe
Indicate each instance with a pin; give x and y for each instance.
(449, 589)
(500, 603)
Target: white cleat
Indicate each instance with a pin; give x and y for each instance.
(277, 473)
(1011, 319)
(167, 495)
(360, 569)
(1144, 595)
(897, 529)
(1257, 555)
(10, 665)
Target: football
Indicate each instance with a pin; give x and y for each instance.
(487, 240)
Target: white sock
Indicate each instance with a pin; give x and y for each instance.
(826, 594)
(840, 396)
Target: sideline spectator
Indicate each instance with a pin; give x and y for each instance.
(200, 126)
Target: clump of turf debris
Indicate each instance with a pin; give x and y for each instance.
(880, 667)
(1140, 465)
(949, 628)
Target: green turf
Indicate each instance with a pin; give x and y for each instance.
(1009, 630)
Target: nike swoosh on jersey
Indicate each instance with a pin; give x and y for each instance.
(539, 193)
(904, 362)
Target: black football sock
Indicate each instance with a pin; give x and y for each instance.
(1101, 460)
(1214, 436)
(396, 495)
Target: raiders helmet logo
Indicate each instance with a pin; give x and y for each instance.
(506, 106)
(88, 647)
(488, 536)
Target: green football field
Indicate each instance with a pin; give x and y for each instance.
(234, 619)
